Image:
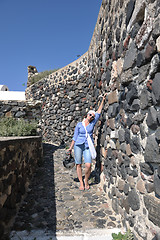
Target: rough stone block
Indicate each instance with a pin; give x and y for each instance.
(156, 28)
(129, 120)
(128, 150)
(150, 50)
(156, 183)
(146, 168)
(153, 206)
(145, 99)
(114, 135)
(155, 61)
(145, 30)
(135, 129)
(126, 188)
(20, 114)
(132, 93)
(111, 123)
(123, 147)
(157, 134)
(8, 114)
(116, 68)
(125, 204)
(103, 152)
(156, 86)
(131, 181)
(143, 73)
(123, 172)
(149, 187)
(158, 117)
(133, 200)
(127, 136)
(158, 171)
(140, 59)
(129, 10)
(3, 198)
(135, 144)
(115, 205)
(151, 154)
(110, 110)
(141, 186)
(121, 184)
(130, 57)
(135, 105)
(113, 97)
(115, 110)
(126, 76)
(121, 135)
(138, 118)
(152, 118)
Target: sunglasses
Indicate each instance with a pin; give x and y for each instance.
(91, 115)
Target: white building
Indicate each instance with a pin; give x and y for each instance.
(5, 94)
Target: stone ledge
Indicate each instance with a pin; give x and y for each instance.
(5, 139)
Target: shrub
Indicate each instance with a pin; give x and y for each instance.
(41, 75)
(17, 127)
(127, 236)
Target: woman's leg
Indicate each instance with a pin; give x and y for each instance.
(87, 174)
(88, 161)
(79, 174)
(78, 151)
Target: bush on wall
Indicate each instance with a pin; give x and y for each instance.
(41, 75)
(17, 127)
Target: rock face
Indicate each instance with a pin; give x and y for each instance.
(122, 60)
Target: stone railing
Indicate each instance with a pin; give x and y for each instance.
(19, 158)
(123, 60)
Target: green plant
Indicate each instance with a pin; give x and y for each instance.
(127, 236)
(17, 127)
(41, 75)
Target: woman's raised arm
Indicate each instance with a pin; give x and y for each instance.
(101, 104)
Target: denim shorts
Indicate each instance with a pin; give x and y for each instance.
(79, 151)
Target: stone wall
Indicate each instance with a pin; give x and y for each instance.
(19, 157)
(63, 95)
(123, 60)
(21, 109)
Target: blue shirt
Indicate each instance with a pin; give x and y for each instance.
(80, 132)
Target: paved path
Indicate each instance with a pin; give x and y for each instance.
(54, 205)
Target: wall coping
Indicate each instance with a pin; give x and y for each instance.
(6, 139)
(71, 64)
(59, 71)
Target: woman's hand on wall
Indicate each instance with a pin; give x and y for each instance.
(101, 105)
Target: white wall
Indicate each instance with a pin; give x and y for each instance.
(12, 95)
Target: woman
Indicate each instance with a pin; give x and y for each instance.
(80, 144)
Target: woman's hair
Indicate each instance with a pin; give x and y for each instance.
(91, 112)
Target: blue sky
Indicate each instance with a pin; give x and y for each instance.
(47, 34)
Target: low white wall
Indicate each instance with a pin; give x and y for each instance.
(12, 95)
